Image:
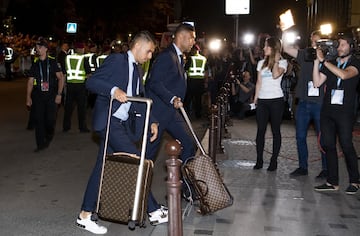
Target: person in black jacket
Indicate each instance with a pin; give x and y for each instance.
(44, 91)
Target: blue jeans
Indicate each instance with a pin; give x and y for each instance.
(305, 113)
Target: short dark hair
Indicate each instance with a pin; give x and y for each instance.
(142, 35)
(184, 27)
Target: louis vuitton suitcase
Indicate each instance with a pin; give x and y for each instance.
(125, 181)
(203, 179)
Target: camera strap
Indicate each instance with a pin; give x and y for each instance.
(341, 67)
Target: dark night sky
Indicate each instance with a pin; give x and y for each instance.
(209, 15)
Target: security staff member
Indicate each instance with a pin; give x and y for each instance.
(9, 58)
(77, 67)
(196, 75)
(44, 90)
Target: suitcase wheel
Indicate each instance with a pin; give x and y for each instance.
(131, 225)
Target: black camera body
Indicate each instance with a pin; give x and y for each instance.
(327, 46)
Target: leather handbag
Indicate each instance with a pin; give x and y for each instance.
(203, 180)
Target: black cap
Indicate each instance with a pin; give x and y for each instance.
(42, 42)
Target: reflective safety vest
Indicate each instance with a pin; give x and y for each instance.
(89, 57)
(75, 69)
(9, 54)
(146, 67)
(197, 68)
(100, 60)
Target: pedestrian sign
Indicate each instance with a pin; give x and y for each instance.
(71, 28)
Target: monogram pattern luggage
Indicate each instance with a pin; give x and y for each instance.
(118, 188)
(125, 181)
(203, 179)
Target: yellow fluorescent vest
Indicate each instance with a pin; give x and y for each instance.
(9, 54)
(75, 69)
(89, 57)
(100, 59)
(197, 68)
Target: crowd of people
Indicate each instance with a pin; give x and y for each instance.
(269, 79)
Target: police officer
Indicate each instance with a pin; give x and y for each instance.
(77, 68)
(196, 75)
(9, 58)
(44, 91)
(90, 57)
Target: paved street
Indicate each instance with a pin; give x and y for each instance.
(41, 193)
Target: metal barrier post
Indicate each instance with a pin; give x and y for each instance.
(175, 227)
(212, 132)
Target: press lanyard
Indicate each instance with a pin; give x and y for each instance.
(338, 79)
(47, 71)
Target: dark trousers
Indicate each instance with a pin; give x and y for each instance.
(177, 128)
(8, 70)
(75, 94)
(339, 124)
(44, 108)
(269, 110)
(238, 108)
(195, 90)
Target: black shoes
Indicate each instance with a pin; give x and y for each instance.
(41, 147)
(272, 166)
(326, 188)
(299, 172)
(352, 189)
(258, 165)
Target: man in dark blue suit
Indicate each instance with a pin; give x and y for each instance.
(115, 79)
(166, 86)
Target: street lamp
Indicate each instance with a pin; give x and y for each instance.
(236, 8)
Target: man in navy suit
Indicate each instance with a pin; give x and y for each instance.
(115, 79)
(166, 86)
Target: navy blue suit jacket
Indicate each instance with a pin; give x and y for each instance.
(113, 72)
(166, 80)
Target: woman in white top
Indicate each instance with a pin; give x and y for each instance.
(269, 99)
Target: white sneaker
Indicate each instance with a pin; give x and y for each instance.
(159, 216)
(90, 225)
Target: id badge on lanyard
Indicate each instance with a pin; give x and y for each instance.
(337, 95)
(44, 83)
(312, 91)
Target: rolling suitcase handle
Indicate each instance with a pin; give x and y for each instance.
(198, 143)
(142, 155)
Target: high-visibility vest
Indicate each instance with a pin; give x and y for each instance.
(146, 67)
(75, 69)
(89, 57)
(9, 54)
(100, 60)
(197, 68)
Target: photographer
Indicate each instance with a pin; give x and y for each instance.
(242, 94)
(341, 77)
(309, 103)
